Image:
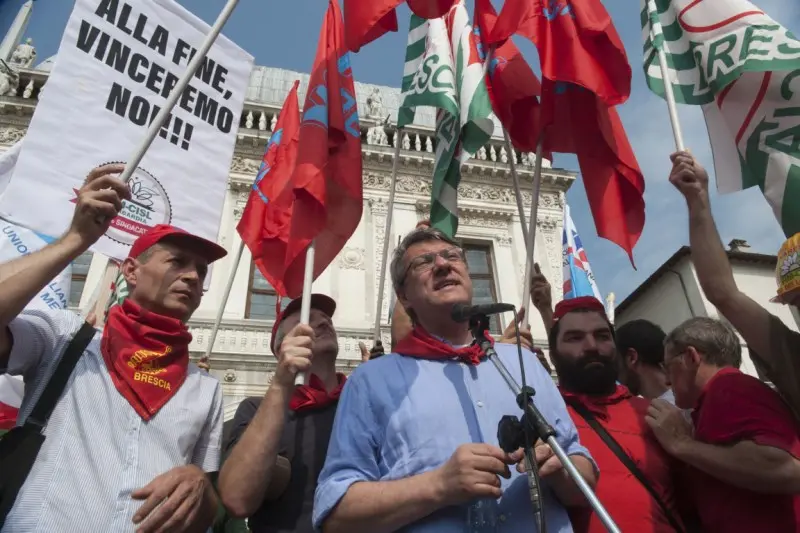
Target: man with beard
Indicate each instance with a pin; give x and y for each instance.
(773, 347)
(279, 442)
(137, 424)
(611, 424)
(641, 349)
(414, 445)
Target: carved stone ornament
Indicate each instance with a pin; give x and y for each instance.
(230, 376)
(244, 165)
(375, 104)
(504, 240)
(25, 54)
(11, 135)
(9, 79)
(352, 258)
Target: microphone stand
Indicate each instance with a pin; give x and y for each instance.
(535, 422)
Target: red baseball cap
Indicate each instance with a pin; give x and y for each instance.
(210, 250)
(583, 303)
(318, 301)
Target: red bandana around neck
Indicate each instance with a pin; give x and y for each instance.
(421, 344)
(146, 354)
(597, 404)
(314, 395)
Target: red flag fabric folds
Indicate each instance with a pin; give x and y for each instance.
(580, 123)
(513, 87)
(327, 179)
(366, 20)
(265, 222)
(580, 30)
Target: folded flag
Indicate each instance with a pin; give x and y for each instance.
(577, 273)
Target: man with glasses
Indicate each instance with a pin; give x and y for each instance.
(745, 444)
(414, 444)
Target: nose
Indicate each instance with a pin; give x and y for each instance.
(589, 343)
(440, 263)
(191, 276)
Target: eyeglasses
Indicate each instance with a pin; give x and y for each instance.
(425, 262)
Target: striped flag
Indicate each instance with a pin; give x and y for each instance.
(442, 70)
(743, 68)
(577, 273)
(119, 292)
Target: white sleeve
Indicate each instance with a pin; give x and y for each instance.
(38, 337)
(207, 451)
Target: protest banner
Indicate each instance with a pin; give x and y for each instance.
(117, 63)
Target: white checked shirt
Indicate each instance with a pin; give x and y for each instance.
(98, 450)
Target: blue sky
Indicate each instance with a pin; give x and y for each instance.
(281, 33)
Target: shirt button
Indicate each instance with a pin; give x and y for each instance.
(502, 518)
(479, 404)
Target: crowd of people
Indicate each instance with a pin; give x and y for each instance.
(663, 426)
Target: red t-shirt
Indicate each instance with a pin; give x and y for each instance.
(624, 497)
(734, 407)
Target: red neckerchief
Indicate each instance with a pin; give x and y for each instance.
(421, 344)
(146, 354)
(314, 395)
(597, 404)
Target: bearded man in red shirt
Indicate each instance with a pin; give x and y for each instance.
(637, 483)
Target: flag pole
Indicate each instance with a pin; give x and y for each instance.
(386, 234)
(155, 127)
(537, 185)
(669, 96)
(517, 190)
(305, 305)
(218, 320)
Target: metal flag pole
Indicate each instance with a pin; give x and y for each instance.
(517, 190)
(386, 234)
(537, 184)
(305, 304)
(218, 320)
(155, 126)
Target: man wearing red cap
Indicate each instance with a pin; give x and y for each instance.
(138, 425)
(278, 443)
(638, 479)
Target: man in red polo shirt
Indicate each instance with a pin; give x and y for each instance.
(745, 446)
(609, 417)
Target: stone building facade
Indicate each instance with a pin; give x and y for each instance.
(489, 224)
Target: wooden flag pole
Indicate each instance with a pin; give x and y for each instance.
(305, 305)
(387, 232)
(537, 184)
(130, 166)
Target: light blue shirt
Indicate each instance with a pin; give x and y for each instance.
(401, 416)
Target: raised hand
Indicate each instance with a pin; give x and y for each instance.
(367, 354)
(294, 355)
(687, 175)
(99, 201)
(473, 472)
(541, 292)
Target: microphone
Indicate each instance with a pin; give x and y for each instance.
(463, 312)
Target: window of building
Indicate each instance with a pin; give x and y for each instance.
(479, 261)
(261, 297)
(80, 269)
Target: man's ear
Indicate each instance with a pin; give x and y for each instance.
(631, 358)
(693, 357)
(128, 270)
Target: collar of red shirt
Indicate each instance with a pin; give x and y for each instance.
(721, 372)
(598, 404)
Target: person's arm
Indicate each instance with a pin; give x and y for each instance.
(254, 471)
(565, 488)
(22, 279)
(542, 297)
(710, 260)
(745, 464)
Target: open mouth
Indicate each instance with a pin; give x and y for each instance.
(445, 283)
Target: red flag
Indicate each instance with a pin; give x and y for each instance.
(577, 43)
(366, 20)
(265, 222)
(327, 179)
(513, 87)
(580, 123)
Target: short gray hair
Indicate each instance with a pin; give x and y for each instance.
(716, 341)
(398, 268)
